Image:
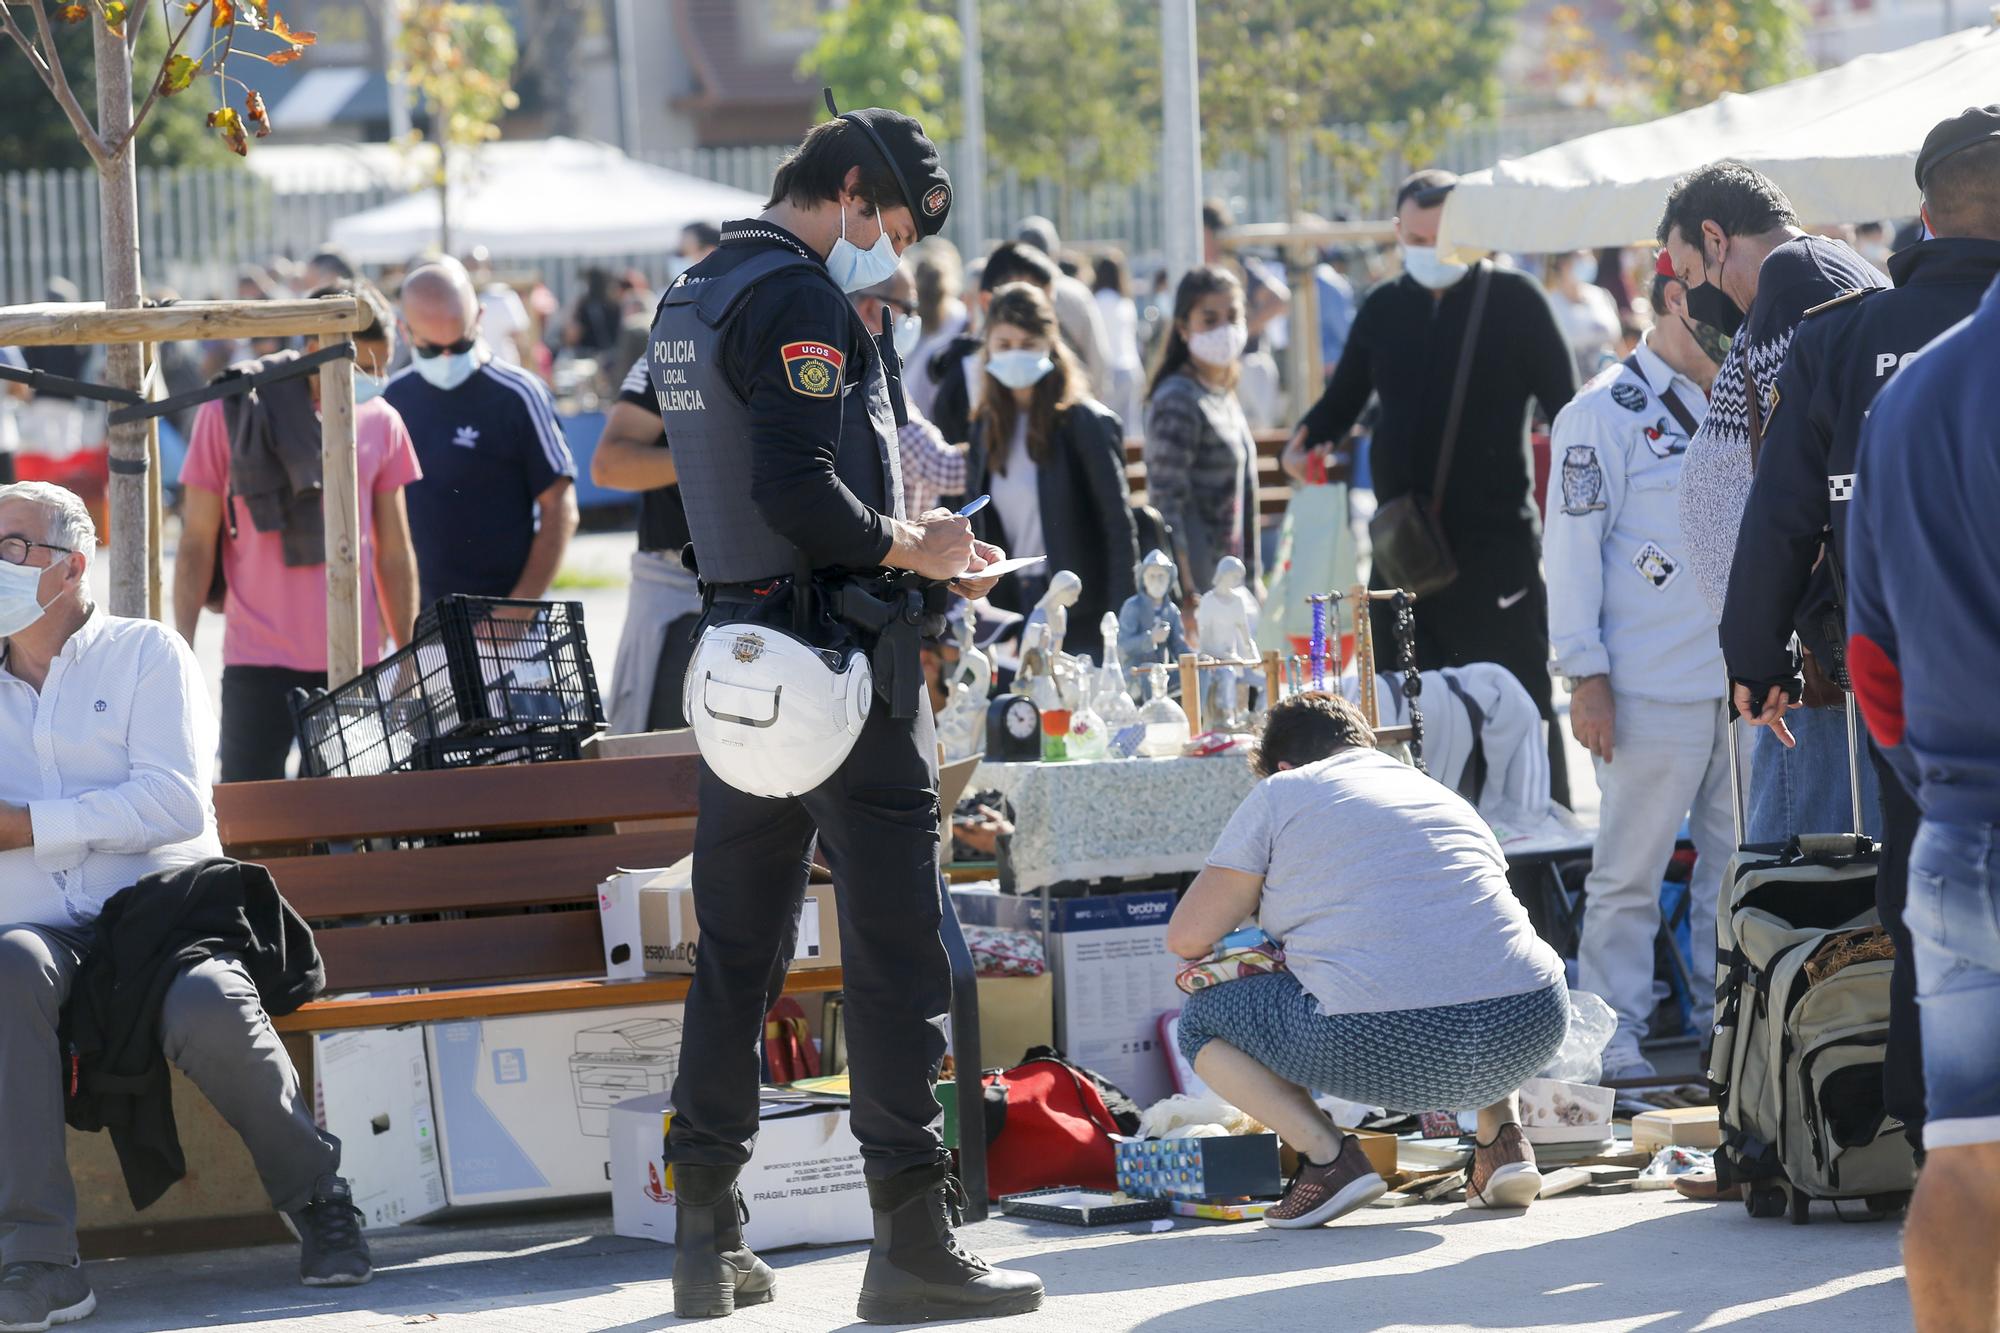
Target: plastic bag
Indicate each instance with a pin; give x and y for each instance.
(1581, 1056)
(1186, 1117)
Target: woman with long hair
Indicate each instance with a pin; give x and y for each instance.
(1053, 459)
(1201, 457)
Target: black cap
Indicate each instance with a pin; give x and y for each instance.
(1968, 129)
(912, 159)
(1428, 187)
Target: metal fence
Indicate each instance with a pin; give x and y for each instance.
(198, 227)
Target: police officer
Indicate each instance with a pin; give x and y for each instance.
(664, 601)
(1636, 640)
(776, 403)
(1845, 351)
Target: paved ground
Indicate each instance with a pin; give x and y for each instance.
(1640, 1261)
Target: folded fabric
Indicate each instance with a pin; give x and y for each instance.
(998, 952)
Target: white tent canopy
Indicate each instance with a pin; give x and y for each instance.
(1842, 144)
(563, 197)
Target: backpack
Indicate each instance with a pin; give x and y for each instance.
(1802, 1021)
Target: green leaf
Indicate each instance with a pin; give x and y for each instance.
(179, 74)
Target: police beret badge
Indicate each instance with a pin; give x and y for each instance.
(936, 200)
(812, 369)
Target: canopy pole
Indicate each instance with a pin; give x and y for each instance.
(1180, 165)
(341, 503)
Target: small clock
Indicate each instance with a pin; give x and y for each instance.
(1013, 730)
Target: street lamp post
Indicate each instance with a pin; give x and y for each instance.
(1180, 164)
(971, 182)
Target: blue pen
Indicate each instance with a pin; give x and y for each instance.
(975, 506)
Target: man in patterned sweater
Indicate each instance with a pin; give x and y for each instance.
(1732, 236)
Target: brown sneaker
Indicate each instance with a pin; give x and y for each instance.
(1503, 1172)
(1321, 1193)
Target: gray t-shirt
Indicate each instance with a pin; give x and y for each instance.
(1386, 889)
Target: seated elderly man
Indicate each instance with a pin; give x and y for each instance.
(1415, 981)
(110, 746)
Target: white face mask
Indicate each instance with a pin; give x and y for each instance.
(447, 370)
(366, 386)
(20, 598)
(1585, 269)
(909, 332)
(1020, 368)
(854, 268)
(1422, 263)
(1219, 346)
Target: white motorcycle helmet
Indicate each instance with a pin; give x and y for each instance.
(772, 715)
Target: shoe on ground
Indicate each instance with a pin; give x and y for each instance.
(714, 1271)
(1504, 1174)
(332, 1250)
(1627, 1068)
(917, 1271)
(36, 1296)
(1319, 1194)
(1703, 1187)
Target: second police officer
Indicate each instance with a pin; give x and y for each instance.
(776, 403)
(1845, 352)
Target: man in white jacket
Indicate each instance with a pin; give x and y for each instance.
(1637, 642)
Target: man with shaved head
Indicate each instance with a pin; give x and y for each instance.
(496, 507)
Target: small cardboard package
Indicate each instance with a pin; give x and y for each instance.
(803, 1186)
(650, 927)
(1680, 1127)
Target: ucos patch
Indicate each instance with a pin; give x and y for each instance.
(812, 368)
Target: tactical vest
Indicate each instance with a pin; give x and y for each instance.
(708, 425)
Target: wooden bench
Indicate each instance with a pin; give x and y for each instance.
(1274, 488)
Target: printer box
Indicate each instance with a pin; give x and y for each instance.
(523, 1102)
(650, 927)
(803, 1186)
(374, 1095)
(1113, 977)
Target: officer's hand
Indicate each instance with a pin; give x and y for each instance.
(983, 554)
(937, 546)
(1771, 713)
(1592, 714)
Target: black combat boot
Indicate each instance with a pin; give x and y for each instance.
(714, 1272)
(917, 1272)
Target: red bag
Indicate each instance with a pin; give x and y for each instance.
(1055, 1130)
(788, 1046)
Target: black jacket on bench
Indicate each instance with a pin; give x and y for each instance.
(114, 1074)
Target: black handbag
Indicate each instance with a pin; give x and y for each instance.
(1411, 550)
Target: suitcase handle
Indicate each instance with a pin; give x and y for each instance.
(1738, 801)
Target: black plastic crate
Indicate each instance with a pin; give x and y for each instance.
(484, 680)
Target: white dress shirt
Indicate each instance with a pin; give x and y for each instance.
(1621, 599)
(114, 758)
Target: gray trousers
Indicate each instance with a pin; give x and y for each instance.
(212, 1027)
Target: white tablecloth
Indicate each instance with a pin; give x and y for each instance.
(1126, 817)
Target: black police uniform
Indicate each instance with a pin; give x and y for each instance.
(774, 400)
(1844, 352)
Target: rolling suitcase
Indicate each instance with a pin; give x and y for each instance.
(1802, 1021)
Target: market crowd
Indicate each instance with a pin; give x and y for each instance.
(1767, 481)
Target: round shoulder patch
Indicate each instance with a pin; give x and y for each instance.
(1629, 396)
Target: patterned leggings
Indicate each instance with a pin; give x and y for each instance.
(1451, 1058)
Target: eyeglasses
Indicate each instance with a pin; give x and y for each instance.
(14, 550)
(900, 307)
(427, 350)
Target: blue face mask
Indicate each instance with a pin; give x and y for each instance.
(447, 370)
(366, 386)
(909, 332)
(1019, 369)
(854, 268)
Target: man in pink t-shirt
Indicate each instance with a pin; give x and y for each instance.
(274, 615)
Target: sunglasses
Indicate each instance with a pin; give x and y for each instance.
(427, 350)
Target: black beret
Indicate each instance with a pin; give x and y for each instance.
(912, 159)
(1969, 128)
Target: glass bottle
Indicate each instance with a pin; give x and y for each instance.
(1165, 721)
(1112, 698)
(1055, 719)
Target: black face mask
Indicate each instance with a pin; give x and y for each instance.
(1710, 305)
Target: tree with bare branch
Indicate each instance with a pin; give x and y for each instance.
(203, 37)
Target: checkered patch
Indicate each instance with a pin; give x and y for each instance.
(1840, 487)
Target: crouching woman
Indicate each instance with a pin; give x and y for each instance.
(1414, 979)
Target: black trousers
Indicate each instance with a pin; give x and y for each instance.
(257, 729)
(1496, 611)
(1903, 1062)
(876, 819)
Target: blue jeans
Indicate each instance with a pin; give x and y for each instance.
(1953, 915)
(1804, 790)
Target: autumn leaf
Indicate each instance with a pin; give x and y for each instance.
(284, 55)
(192, 7)
(225, 119)
(280, 30)
(179, 74)
(224, 15)
(114, 16)
(253, 105)
(73, 13)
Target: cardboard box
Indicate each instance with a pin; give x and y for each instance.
(374, 1091)
(1016, 1014)
(1555, 1112)
(804, 1184)
(1379, 1149)
(1223, 1167)
(523, 1102)
(1113, 977)
(649, 924)
(1681, 1127)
